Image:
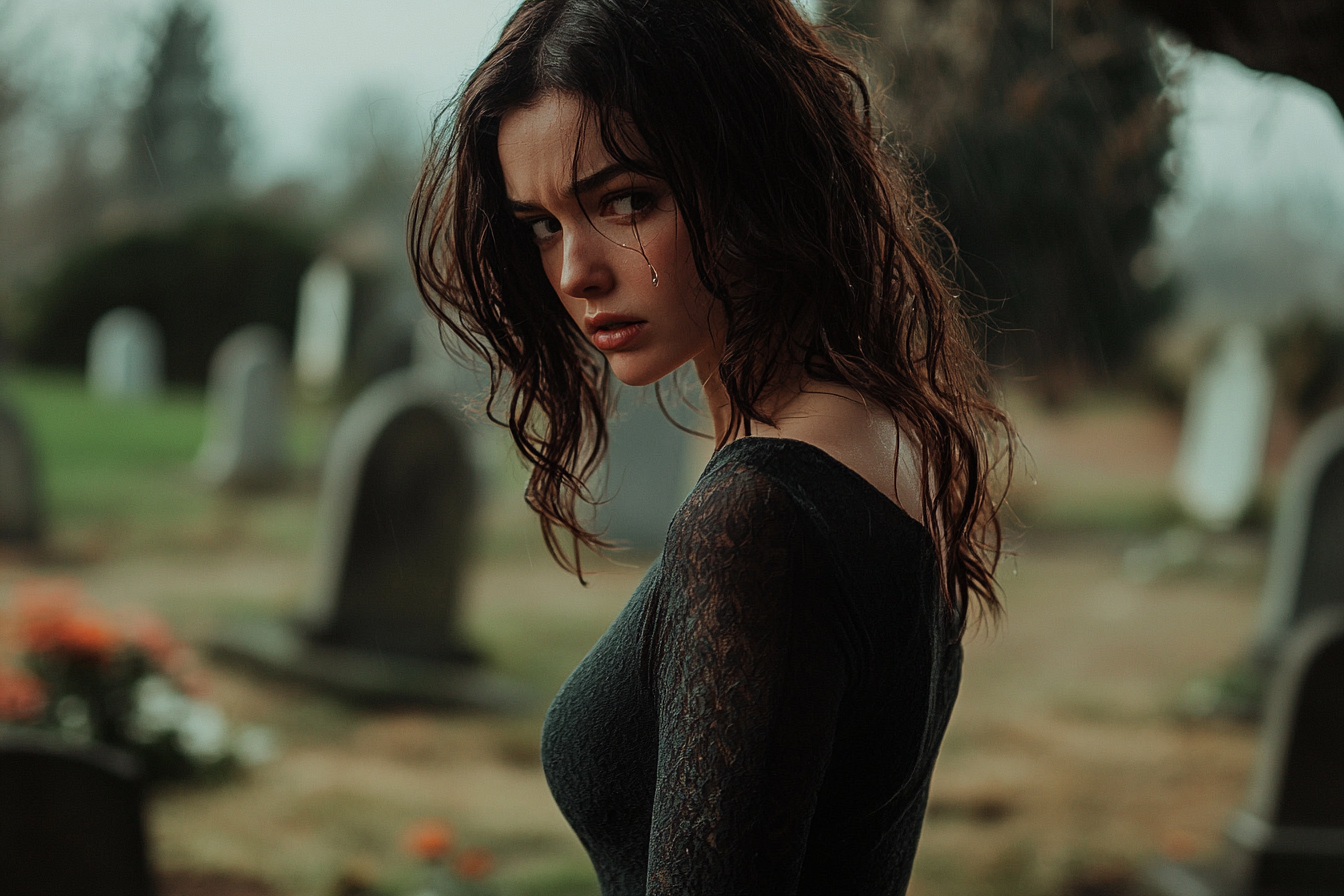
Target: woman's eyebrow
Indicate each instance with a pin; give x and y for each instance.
(578, 188)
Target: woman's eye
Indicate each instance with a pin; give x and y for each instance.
(544, 228)
(630, 204)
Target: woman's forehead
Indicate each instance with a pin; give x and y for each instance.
(547, 145)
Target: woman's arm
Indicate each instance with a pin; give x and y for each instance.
(749, 676)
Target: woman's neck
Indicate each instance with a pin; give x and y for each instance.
(839, 420)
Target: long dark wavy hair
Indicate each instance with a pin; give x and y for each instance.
(804, 223)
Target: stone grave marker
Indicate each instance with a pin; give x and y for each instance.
(248, 390)
(1305, 569)
(396, 523)
(21, 506)
(1288, 838)
(1222, 448)
(71, 820)
(125, 355)
(321, 333)
(646, 477)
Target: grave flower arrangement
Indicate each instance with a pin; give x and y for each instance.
(448, 871)
(72, 671)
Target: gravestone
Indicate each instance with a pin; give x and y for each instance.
(645, 472)
(321, 332)
(1305, 571)
(464, 377)
(1222, 448)
(395, 516)
(396, 521)
(1288, 838)
(248, 389)
(71, 820)
(21, 506)
(125, 355)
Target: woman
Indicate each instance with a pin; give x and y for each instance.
(628, 185)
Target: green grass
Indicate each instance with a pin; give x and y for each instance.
(123, 468)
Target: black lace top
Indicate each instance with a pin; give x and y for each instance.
(763, 716)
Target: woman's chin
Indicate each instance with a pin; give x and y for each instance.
(635, 372)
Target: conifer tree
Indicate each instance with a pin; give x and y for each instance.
(180, 140)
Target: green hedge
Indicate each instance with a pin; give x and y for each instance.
(200, 279)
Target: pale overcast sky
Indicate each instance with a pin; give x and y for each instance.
(291, 66)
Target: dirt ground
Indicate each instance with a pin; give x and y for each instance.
(1066, 757)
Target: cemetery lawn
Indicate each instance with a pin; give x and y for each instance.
(1066, 766)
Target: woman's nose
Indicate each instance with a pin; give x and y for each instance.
(586, 271)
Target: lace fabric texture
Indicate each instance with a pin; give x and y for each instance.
(763, 716)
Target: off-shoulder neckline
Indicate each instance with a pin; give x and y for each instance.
(828, 460)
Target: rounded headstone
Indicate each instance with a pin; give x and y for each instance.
(245, 443)
(125, 355)
(322, 330)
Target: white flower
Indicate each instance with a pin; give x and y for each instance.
(203, 732)
(158, 708)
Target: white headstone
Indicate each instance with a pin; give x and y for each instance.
(1222, 449)
(321, 332)
(125, 356)
(248, 392)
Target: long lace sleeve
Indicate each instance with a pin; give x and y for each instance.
(748, 673)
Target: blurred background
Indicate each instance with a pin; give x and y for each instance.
(1151, 238)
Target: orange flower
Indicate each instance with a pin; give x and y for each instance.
(430, 840)
(474, 863)
(21, 695)
(51, 620)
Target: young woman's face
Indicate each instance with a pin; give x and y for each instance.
(611, 242)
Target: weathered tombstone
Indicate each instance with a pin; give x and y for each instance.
(71, 820)
(21, 506)
(463, 377)
(125, 355)
(645, 473)
(248, 390)
(396, 514)
(1222, 448)
(395, 524)
(1306, 553)
(321, 332)
(1288, 838)
(1304, 573)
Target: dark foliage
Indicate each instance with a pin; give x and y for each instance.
(1301, 38)
(1044, 147)
(1050, 185)
(200, 280)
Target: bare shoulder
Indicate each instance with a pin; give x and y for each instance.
(856, 431)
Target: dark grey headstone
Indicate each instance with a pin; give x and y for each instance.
(1306, 552)
(245, 441)
(71, 820)
(21, 505)
(396, 519)
(1288, 838)
(396, 514)
(125, 355)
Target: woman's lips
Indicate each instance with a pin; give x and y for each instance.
(618, 335)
